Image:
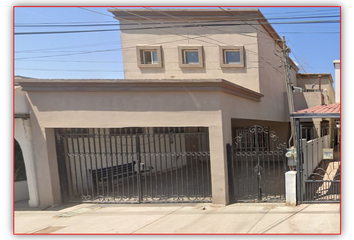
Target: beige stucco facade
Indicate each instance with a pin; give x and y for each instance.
(168, 96)
(311, 96)
(261, 64)
(77, 108)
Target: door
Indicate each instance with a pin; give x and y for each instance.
(256, 166)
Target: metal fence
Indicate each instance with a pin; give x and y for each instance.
(319, 165)
(134, 165)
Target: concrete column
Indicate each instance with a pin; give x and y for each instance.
(219, 137)
(290, 188)
(218, 166)
(46, 163)
(53, 165)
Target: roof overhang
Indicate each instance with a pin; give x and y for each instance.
(143, 85)
(320, 111)
(315, 115)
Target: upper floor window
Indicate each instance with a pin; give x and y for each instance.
(190, 56)
(231, 56)
(149, 56)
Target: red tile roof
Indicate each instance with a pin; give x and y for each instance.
(331, 108)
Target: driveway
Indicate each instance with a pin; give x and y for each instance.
(240, 218)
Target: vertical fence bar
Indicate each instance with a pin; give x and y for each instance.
(230, 173)
(139, 164)
(117, 160)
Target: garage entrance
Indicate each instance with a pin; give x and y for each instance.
(134, 165)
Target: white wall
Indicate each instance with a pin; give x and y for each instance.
(21, 105)
(23, 135)
(337, 79)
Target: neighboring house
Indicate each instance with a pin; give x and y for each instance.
(25, 189)
(314, 89)
(160, 134)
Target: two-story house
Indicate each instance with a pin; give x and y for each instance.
(193, 80)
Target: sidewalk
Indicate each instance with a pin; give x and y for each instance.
(178, 218)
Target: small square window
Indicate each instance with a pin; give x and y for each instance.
(149, 56)
(190, 56)
(231, 56)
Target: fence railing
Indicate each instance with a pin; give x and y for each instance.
(320, 164)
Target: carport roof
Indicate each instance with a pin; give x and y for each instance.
(320, 111)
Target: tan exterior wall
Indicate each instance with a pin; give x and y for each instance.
(246, 36)
(137, 109)
(99, 109)
(305, 100)
(212, 109)
(272, 80)
(257, 74)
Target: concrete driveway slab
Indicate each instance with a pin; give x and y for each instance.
(260, 218)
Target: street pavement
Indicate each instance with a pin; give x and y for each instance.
(201, 218)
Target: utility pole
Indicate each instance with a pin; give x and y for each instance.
(289, 88)
(322, 96)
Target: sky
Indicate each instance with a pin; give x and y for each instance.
(313, 46)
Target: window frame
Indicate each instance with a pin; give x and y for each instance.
(140, 56)
(149, 52)
(222, 51)
(182, 60)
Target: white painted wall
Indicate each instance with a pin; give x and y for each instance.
(23, 135)
(21, 105)
(337, 79)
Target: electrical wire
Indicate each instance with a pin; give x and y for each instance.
(168, 27)
(48, 25)
(183, 26)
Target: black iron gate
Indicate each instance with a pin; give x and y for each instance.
(134, 165)
(256, 166)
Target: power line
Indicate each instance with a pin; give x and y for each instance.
(156, 26)
(68, 70)
(167, 27)
(34, 25)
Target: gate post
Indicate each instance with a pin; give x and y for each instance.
(299, 190)
(230, 174)
(290, 188)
